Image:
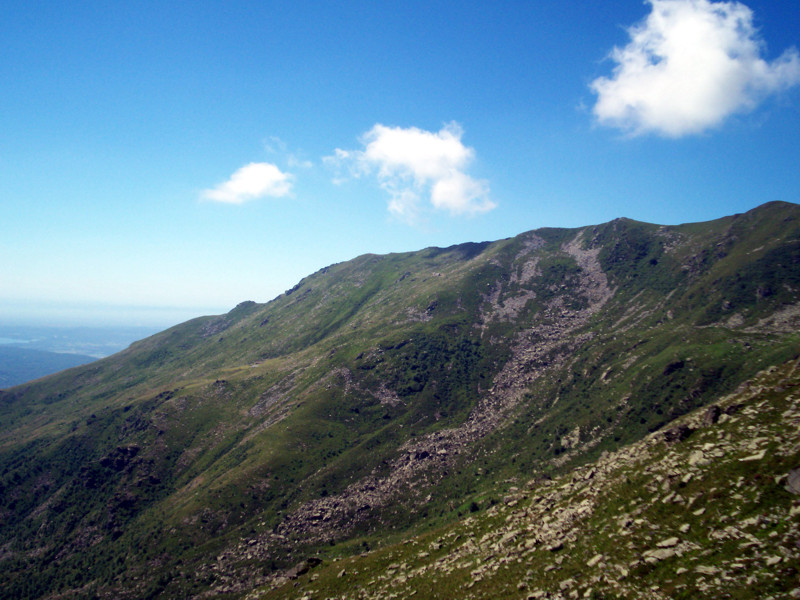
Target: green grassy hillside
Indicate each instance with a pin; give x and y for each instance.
(380, 398)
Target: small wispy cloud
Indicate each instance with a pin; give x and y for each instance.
(276, 145)
(414, 165)
(689, 65)
(252, 181)
(296, 162)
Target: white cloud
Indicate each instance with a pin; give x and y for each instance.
(689, 65)
(412, 164)
(460, 193)
(252, 181)
(276, 145)
(295, 162)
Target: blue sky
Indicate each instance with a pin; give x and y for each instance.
(162, 160)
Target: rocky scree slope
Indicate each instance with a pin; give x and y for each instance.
(378, 398)
(709, 508)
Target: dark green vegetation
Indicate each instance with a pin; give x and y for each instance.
(380, 398)
(18, 365)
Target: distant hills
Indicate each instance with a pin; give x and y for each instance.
(436, 412)
(97, 341)
(28, 352)
(18, 365)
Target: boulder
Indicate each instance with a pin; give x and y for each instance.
(677, 433)
(793, 481)
(711, 415)
(595, 560)
(303, 567)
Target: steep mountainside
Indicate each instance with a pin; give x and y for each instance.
(379, 398)
(710, 508)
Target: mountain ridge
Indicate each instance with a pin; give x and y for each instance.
(382, 395)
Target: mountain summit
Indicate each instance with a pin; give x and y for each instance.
(382, 398)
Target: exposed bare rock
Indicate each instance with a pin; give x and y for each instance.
(793, 481)
(559, 529)
(677, 433)
(303, 567)
(544, 347)
(711, 415)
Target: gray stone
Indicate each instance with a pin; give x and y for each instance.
(754, 457)
(595, 560)
(668, 543)
(793, 481)
(712, 415)
(566, 584)
(706, 570)
(677, 434)
(651, 557)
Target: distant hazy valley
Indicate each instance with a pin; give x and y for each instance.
(97, 342)
(29, 352)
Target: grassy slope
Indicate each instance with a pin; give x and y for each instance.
(706, 517)
(217, 429)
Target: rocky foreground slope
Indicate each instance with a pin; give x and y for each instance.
(391, 395)
(708, 508)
